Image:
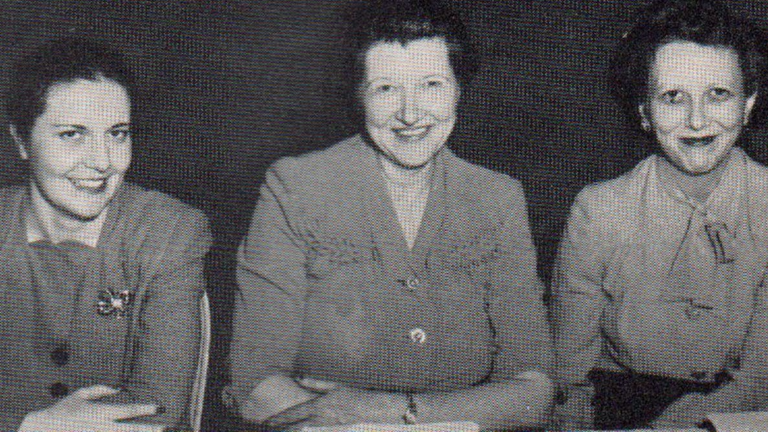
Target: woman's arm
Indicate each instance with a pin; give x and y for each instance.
(269, 306)
(82, 411)
(575, 307)
(521, 403)
(168, 332)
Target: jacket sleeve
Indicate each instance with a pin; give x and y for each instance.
(576, 307)
(168, 328)
(270, 302)
(516, 304)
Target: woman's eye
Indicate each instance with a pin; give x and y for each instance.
(720, 94)
(70, 134)
(120, 134)
(673, 97)
(434, 83)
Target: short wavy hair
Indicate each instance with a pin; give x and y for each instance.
(405, 21)
(56, 62)
(706, 22)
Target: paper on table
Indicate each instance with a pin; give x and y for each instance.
(429, 427)
(739, 422)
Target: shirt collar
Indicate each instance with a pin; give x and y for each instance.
(721, 201)
(39, 217)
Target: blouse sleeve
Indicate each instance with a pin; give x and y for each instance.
(576, 308)
(516, 304)
(168, 330)
(270, 302)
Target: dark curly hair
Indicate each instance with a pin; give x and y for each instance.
(706, 22)
(405, 21)
(56, 62)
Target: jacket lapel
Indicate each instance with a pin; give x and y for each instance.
(372, 194)
(434, 215)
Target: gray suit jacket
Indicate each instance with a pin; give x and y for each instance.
(152, 245)
(330, 290)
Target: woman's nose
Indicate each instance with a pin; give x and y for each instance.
(98, 156)
(409, 112)
(697, 117)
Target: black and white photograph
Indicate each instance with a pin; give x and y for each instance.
(384, 215)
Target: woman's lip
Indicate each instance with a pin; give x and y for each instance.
(419, 132)
(95, 185)
(698, 141)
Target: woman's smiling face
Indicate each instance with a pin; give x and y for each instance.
(79, 148)
(410, 94)
(696, 105)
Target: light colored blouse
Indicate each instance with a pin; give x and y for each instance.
(649, 281)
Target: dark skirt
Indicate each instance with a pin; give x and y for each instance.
(626, 400)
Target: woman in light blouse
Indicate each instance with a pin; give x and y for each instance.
(658, 305)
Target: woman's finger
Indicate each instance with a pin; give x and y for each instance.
(125, 411)
(316, 385)
(292, 415)
(138, 427)
(95, 392)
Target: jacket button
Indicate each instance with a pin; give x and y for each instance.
(60, 355)
(58, 390)
(412, 283)
(418, 336)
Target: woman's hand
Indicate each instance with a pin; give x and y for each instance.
(81, 411)
(339, 405)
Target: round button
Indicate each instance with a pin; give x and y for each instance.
(59, 390)
(693, 312)
(418, 336)
(60, 355)
(412, 283)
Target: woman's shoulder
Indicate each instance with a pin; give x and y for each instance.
(613, 206)
(478, 177)
(157, 229)
(483, 186)
(619, 191)
(155, 204)
(339, 154)
(315, 174)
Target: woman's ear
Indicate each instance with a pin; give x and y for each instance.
(644, 122)
(19, 142)
(748, 107)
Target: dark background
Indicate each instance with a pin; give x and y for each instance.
(227, 87)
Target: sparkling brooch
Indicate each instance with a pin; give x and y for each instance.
(114, 303)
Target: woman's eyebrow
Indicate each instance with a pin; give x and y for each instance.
(76, 126)
(119, 125)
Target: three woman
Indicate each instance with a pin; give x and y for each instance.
(99, 279)
(658, 303)
(384, 279)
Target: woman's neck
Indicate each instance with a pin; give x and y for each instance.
(697, 188)
(409, 178)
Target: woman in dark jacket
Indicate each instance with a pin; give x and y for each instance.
(384, 279)
(99, 279)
